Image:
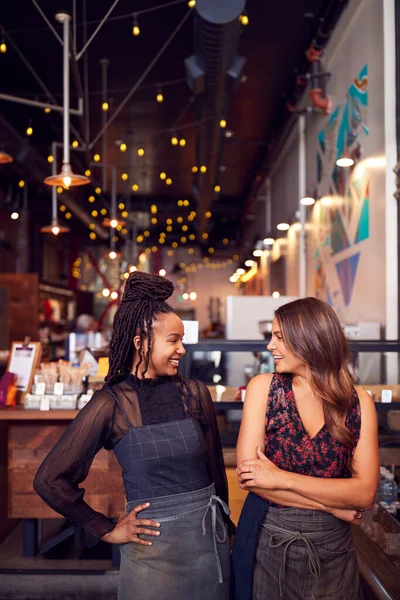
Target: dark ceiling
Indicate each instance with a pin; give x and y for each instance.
(273, 44)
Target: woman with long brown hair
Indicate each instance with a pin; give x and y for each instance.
(308, 445)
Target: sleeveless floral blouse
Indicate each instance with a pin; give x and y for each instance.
(290, 447)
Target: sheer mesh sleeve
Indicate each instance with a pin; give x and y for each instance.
(67, 465)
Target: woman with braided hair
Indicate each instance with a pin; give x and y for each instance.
(162, 427)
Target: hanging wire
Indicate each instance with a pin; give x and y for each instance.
(116, 18)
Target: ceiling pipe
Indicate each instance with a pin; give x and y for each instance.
(213, 73)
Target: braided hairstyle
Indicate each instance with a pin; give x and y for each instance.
(144, 298)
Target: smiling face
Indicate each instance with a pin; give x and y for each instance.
(285, 360)
(166, 346)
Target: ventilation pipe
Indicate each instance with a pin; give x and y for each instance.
(213, 73)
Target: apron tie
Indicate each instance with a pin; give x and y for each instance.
(215, 518)
(283, 537)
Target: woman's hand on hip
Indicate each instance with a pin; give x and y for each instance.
(261, 473)
(129, 527)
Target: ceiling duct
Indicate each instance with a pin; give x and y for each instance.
(213, 73)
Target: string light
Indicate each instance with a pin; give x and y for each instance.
(211, 250)
(97, 158)
(225, 241)
(244, 19)
(75, 144)
(124, 214)
(50, 158)
(135, 28)
(217, 188)
(160, 97)
(195, 169)
(88, 172)
(92, 226)
(114, 295)
(124, 176)
(92, 198)
(121, 206)
(59, 190)
(192, 3)
(21, 183)
(140, 151)
(103, 211)
(68, 215)
(47, 110)
(174, 140)
(98, 190)
(95, 213)
(123, 147)
(139, 239)
(183, 240)
(29, 131)
(184, 228)
(192, 237)
(3, 47)
(222, 123)
(14, 216)
(205, 236)
(168, 181)
(62, 208)
(154, 248)
(153, 209)
(154, 221)
(174, 244)
(179, 220)
(180, 203)
(163, 175)
(92, 235)
(146, 233)
(203, 169)
(106, 292)
(105, 106)
(182, 142)
(169, 221)
(135, 187)
(186, 203)
(208, 215)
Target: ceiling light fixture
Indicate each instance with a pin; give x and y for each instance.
(283, 226)
(66, 177)
(5, 158)
(307, 201)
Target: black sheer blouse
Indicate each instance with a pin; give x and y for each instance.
(101, 424)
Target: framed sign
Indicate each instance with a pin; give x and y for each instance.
(24, 358)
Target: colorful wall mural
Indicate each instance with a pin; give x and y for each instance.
(341, 219)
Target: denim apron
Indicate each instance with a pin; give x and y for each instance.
(165, 464)
(305, 555)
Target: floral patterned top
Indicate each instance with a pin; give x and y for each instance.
(290, 447)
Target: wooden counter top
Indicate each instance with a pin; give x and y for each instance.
(19, 413)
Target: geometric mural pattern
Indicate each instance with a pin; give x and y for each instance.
(342, 221)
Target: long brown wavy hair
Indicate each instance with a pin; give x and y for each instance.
(311, 330)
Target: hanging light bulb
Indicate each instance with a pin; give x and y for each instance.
(5, 158)
(113, 223)
(105, 106)
(15, 215)
(112, 254)
(75, 144)
(168, 181)
(21, 183)
(50, 158)
(88, 172)
(174, 140)
(106, 292)
(29, 130)
(97, 158)
(195, 169)
(124, 176)
(163, 175)
(135, 187)
(192, 3)
(182, 142)
(217, 188)
(123, 147)
(135, 28)
(3, 47)
(140, 151)
(203, 169)
(47, 110)
(159, 97)
(222, 123)
(114, 295)
(244, 19)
